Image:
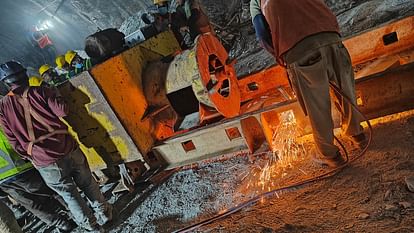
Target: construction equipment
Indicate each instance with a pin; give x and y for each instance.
(156, 104)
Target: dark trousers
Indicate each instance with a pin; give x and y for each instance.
(30, 191)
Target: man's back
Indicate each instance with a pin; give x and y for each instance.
(49, 106)
(290, 21)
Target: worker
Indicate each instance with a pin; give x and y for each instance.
(8, 223)
(77, 64)
(165, 18)
(62, 66)
(186, 18)
(50, 76)
(304, 37)
(40, 40)
(48, 145)
(194, 13)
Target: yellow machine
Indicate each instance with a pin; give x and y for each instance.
(155, 105)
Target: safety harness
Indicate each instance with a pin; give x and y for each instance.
(28, 114)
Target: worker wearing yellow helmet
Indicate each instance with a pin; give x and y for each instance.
(62, 67)
(76, 63)
(44, 68)
(50, 76)
(61, 62)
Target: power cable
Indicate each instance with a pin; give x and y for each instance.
(297, 185)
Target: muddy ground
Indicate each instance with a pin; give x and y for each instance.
(368, 196)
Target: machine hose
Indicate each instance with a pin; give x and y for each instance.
(294, 186)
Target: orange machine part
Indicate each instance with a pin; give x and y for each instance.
(255, 85)
(218, 76)
(381, 41)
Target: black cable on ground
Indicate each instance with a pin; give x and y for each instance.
(297, 185)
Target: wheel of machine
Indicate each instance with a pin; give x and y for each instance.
(205, 70)
(218, 77)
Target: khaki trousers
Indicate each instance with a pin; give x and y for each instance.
(312, 64)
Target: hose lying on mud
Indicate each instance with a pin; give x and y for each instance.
(297, 185)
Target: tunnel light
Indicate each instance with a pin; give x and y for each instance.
(44, 25)
(48, 23)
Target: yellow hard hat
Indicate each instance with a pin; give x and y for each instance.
(35, 81)
(156, 2)
(69, 56)
(44, 68)
(60, 61)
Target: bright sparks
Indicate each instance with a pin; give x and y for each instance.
(286, 149)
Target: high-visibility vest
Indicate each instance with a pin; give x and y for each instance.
(10, 162)
(87, 64)
(44, 41)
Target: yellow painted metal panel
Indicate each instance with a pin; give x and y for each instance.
(95, 126)
(120, 79)
(163, 44)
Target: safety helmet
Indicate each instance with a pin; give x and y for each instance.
(9, 71)
(43, 69)
(35, 81)
(157, 2)
(69, 56)
(60, 61)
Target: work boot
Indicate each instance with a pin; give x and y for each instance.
(410, 183)
(334, 162)
(91, 225)
(64, 225)
(106, 215)
(359, 140)
(95, 229)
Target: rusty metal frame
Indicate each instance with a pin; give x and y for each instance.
(373, 44)
(388, 92)
(387, 88)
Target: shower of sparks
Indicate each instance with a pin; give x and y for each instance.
(286, 150)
